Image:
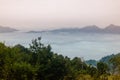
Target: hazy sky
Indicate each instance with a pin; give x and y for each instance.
(46, 14)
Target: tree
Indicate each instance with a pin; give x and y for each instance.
(78, 65)
(115, 63)
(92, 71)
(50, 66)
(23, 71)
(102, 68)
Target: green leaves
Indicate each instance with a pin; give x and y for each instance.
(38, 62)
(102, 68)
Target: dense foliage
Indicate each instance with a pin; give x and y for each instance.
(38, 62)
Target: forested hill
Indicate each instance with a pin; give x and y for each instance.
(38, 62)
(105, 59)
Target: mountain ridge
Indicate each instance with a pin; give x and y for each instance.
(114, 29)
(105, 59)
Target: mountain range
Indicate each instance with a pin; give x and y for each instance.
(114, 29)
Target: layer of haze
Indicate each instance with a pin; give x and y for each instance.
(49, 14)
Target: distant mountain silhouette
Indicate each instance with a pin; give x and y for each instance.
(6, 29)
(35, 31)
(88, 29)
(91, 29)
(91, 62)
(112, 29)
(105, 59)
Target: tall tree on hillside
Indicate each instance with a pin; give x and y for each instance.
(116, 63)
(102, 68)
